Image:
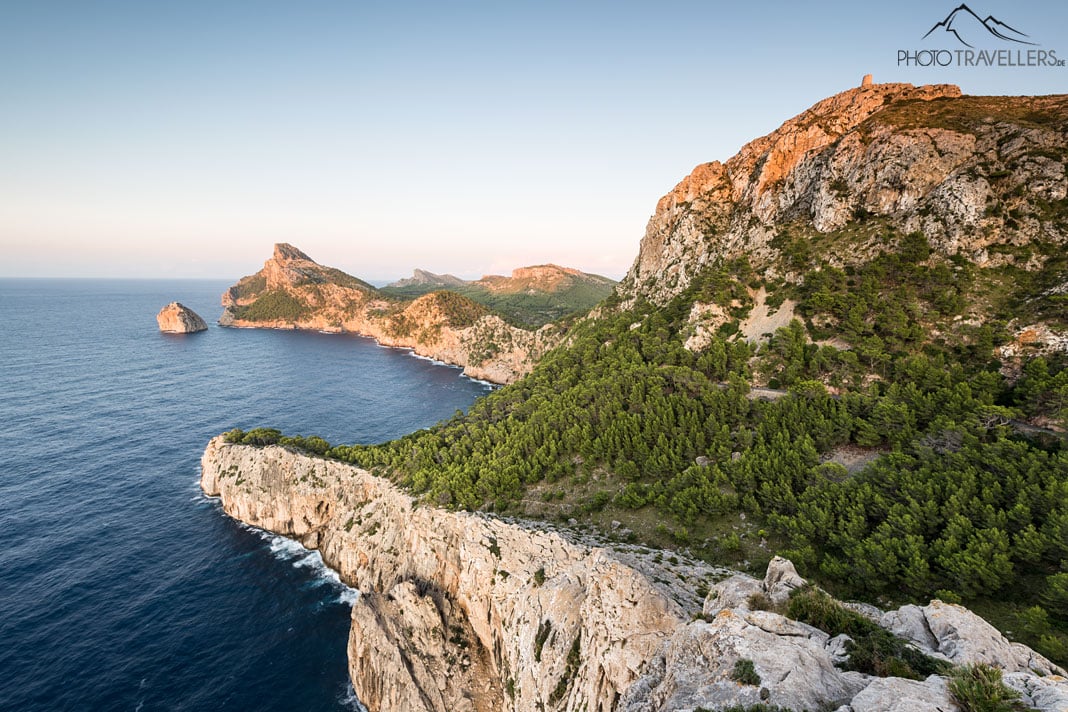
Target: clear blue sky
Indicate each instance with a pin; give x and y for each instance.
(184, 138)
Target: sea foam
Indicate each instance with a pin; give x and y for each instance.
(302, 557)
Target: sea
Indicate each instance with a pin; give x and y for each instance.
(122, 587)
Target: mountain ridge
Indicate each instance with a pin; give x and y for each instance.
(530, 297)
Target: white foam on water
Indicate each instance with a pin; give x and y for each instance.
(302, 557)
(431, 360)
(349, 700)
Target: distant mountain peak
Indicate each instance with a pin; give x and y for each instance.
(546, 269)
(954, 24)
(283, 251)
(547, 278)
(422, 277)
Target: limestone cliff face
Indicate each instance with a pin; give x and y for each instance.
(970, 172)
(294, 292)
(176, 318)
(465, 612)
(459, 611)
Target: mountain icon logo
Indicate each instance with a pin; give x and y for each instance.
(964, 24)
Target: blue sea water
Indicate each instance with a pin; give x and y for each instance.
(121, 586)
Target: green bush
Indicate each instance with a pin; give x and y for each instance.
(745, 673)
(873, 650)
(539, 576)
(261, 437)
(978, 688)
(273, 306)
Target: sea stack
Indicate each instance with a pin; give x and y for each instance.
(176, 318)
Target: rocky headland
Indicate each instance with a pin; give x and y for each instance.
(461, 611)
(292, 291)
(176, 318)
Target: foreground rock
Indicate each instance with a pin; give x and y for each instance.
(797, 664)
(465, 612)
(956, 634)
(176, 318)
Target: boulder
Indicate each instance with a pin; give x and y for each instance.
(694, 667)
(895, 694)
(956, 634)
(781, 579)
(1047, 694)
(732, 592)
(176, 318)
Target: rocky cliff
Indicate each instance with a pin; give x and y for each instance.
(293, 291)
(982, 177)
(465, 612)
(176, 318)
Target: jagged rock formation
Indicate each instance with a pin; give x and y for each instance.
(981, 177)
(176, 318)
(293, 291)
(465, 612)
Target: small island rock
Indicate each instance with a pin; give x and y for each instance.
(176, 318)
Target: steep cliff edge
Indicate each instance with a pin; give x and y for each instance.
(464, 612)
(292, 291)
(982, 177)
(459, 612)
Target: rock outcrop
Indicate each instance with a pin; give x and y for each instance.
(971, 173)
(798, 665)
(292, 291)
(956, 634)
(176, 318)
(466, 612)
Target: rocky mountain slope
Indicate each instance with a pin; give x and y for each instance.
(983, 178)
(464, 612)
(294, 292)
(531, 296)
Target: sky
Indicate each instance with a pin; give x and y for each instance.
(183, 139)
